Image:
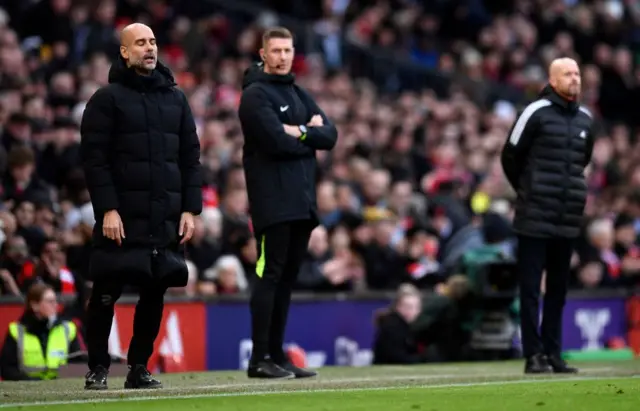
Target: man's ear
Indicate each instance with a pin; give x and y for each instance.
(124, 52)
(262, 57)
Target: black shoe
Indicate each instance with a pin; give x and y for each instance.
(297, 371)
(268, 369)
(140, 378)
(96, 379)
(559, 366)
(537, 364)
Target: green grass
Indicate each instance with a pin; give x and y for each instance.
(479, 386)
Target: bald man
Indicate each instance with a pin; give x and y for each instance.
(140, 155)
(544, 159)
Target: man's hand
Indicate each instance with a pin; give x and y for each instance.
(187, 226)
(112, 227)
(5, 276)
(293, 131)
(9, 282)
(50, 266)
(316, 121)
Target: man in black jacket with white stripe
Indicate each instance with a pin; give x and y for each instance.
(544, 158)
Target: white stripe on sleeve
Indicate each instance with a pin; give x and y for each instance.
(529, 111)
(586, 111)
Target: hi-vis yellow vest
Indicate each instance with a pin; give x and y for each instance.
(32, 361)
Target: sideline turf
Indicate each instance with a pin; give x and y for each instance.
(600, 395)
(391, 385)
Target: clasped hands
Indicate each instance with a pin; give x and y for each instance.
(294, 131)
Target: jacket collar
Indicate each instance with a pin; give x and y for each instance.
(159, 78)
(550, 94)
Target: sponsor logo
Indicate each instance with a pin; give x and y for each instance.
(592, 324)
(349, 354)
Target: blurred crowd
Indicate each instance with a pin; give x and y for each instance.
(414, 183)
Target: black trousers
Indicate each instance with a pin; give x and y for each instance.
(281, 249)
(146, 321)
(534, 256)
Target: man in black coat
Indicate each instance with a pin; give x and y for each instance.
(544, 159)
(141, 158)
(283, 127)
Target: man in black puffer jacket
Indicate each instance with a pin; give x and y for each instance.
(283, 127)
(141, 158)
(544, 159)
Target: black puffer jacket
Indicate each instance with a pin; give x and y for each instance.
(394, 342)
(141, 156)
(544, 158)
(280, 169)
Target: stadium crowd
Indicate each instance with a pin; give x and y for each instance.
(415, 180)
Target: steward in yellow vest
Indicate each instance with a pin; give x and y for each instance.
(37, 345)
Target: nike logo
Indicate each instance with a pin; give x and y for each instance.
(283, 108)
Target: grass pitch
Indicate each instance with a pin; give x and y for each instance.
(477, 386)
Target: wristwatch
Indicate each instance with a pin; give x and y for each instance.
(303, 130)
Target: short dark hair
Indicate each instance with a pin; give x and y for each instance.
(21, 156)
(275, 33)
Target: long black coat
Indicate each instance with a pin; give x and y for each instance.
(141, 156)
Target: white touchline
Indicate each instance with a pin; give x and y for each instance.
(308, 391)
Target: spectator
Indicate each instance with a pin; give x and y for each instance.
(22, 183)
(15, 253)
(60, 156)
(227, 275)
(394, 342)
(423, 98)
(50, 269)
(25, 217)
(8, 285)
(439, 325)
(601, 238)
(384, 264)
(17, 132)
(322, 271)
(422, 252)
(200, 250)
(38, 331)
(626, 249)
